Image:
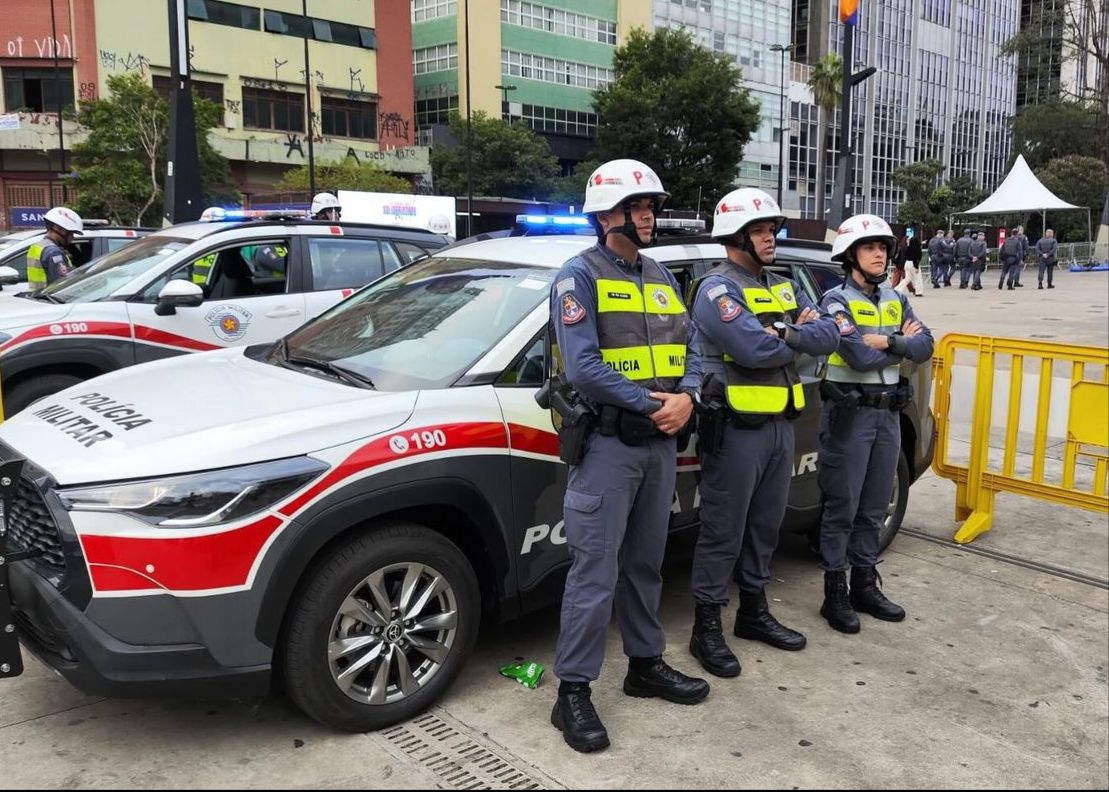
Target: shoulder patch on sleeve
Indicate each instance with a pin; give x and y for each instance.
(572, 310)
(564, 285)
(716, 291)
(729, 308)
(843, 320)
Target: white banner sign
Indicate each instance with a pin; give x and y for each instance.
(9, 122)
(429, 212)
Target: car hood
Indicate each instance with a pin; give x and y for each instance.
(195, 412)
(19, 312)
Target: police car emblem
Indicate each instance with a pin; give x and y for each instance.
(228, 322)
(572, 312)
(729, 308)
(661, 298)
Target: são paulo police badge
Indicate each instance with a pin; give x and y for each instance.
(228, 322)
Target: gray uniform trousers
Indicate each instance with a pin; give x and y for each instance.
(859, 450)
(617, 514)
(1010, 271)
(1047, 265)
(744, 491)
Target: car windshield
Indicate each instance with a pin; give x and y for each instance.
(424, 325)
(11, 240)
(100, 278)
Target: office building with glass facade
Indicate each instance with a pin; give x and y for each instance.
(942, 91)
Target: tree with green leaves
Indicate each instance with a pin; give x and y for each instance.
(346, 174)
(679, 108)
(920, 183)
(121, 165)
(1082, 181)
(826, 84)
(508, 159)
(1059, 128)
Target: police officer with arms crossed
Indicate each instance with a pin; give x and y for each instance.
(47, 259)
(860, 434)
(628, 348)
(751, 324)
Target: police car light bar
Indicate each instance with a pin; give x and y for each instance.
(679, 223)
(552, 220)
(217, 214)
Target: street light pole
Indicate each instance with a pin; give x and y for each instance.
(782, 158)
(469, 132)
(308, 99)
(504, 89)
(58, 99)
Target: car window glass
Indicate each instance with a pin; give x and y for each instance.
(344, 262)
(392, 260)
(254, 270)
(114, 270)
(115, 243)
(528, 370)
(80, 252)
(426, 324)
(410, 252)
(825, 278)
(16, 259)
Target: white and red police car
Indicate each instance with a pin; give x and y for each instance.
(338, 508)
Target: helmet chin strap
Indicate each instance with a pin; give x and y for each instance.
(748, 247)
(872, 280)
(629, 230)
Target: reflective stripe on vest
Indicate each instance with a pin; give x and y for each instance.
(202, 268)
(36, 273)
(642, 327)
(755, 391)
(885, 318)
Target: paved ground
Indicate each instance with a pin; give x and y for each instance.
(998, 679)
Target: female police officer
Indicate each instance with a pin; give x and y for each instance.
(628, 349)
(752, 324)
(860, 433)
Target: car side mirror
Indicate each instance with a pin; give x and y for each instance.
(8, 276)
(178, 294)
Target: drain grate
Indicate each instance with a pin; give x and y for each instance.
(457, 758)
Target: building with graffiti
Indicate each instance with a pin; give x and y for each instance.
(248, 57)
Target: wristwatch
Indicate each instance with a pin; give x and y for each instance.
(781, 328)
(694, 394)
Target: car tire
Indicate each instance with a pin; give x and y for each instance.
(353, 664)
(30, 390)
(899, 502)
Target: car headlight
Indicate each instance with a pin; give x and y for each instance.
(198, 499)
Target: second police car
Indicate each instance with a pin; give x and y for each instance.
(98, 238)
(335, 511)
(190, 288)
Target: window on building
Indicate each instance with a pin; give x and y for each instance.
(423, 10)
(557, 120)
(277, 110)
(433, 59)
(320, 29)
(554, 70)
(351, 118)
(37, 90)
(220, 13)
(558, 21)
(212, 91)
(436, 110)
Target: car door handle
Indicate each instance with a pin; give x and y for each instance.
(282, 313)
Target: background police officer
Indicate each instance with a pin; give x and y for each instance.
(978, 253)
(860, 435)
(1046, 248)
(1024, 246)
(962, 257)
(936, 258)
(48, 259)
(1011, 256)
(948, 257)
(628, 347)
(751, 325)
(325, 206)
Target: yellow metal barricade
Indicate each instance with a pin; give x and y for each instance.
(1086, 408)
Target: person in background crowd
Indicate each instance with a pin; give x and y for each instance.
(1046, 249)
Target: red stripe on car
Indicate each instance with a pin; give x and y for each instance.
(155, 336)
(59, 329)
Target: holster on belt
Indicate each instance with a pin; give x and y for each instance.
(631, 427)
(577, 418)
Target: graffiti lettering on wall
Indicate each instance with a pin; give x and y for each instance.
(269, 85)
(381, 156)
(232, 106)
(132, 61)
(292, 143)
(355, 78)
(46, 47)
(87, 91)
(392, 125)
(277, 64)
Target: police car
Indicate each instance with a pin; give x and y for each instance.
(334, 511)
(190, 288)
(98, 239)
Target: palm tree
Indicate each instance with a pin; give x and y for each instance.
(826, 84)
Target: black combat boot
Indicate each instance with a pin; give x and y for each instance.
(574, 716)
(837, 605)
(650, 677)
(754, 622)
(866, 597)
(707, 642)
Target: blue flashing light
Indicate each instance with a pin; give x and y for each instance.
(548, 220)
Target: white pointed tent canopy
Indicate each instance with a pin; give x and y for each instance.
(1022, 192)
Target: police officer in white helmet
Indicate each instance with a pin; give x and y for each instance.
(860, 425)
(628, 350)
(752, 324)
(325, 206)
(48, 259)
